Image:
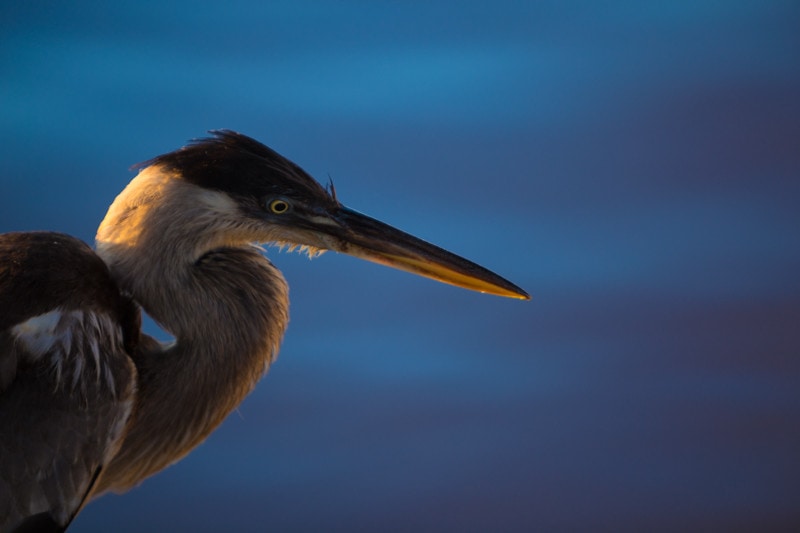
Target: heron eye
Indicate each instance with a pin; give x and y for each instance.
(279, 206)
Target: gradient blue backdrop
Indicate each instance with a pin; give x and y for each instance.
(634, 165)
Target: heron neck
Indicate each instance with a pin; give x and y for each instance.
(225, 304)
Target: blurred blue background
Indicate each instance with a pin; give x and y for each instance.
(634, 165)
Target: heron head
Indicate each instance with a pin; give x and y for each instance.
(280, 203)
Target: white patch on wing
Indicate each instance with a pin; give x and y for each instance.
(37, 334)
(73, 342)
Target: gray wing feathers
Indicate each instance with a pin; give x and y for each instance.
(57, 432)
(67, 383)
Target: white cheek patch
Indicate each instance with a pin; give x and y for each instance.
(218, 202)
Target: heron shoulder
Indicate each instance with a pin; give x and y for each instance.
(57, 297)
(67, 383)
(42, 271)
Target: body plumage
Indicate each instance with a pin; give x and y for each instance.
(88, 403)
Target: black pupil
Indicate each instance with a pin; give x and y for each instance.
(279, 207)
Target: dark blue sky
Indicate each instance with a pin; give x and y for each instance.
(634, 166)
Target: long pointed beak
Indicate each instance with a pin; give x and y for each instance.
(362, 236)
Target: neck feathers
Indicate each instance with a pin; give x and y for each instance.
(173, 246)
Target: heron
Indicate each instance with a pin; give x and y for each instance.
(88, 402)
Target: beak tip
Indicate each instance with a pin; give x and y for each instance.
(518, 295)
